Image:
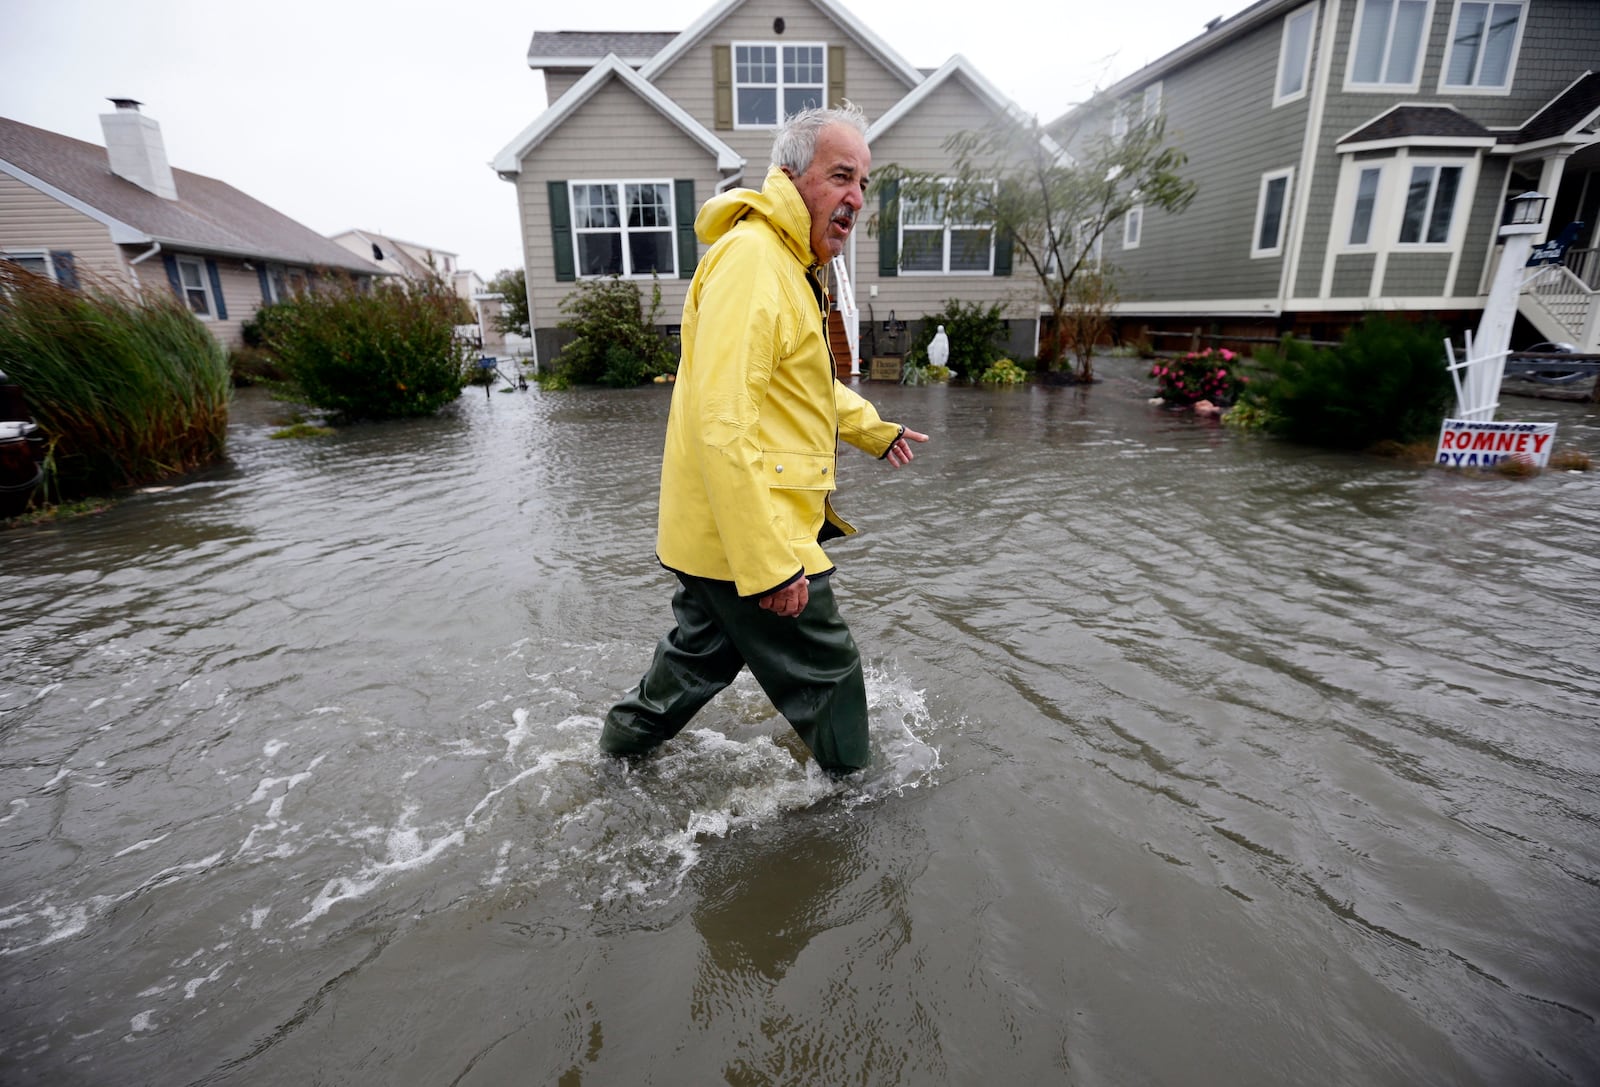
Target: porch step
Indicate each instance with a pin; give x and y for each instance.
(839, 345)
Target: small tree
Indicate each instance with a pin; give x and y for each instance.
(1091, 295)
(513, 318)
(1051, 200)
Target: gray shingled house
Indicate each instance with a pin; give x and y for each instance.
(643, 128)
(124, 216)
(1357, 155)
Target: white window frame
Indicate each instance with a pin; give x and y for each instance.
(204, 286)
(1475, 87)
(1133, 227)
(1457, 218)
(779, 85)
(1129, 111)
(1381, 86)
(18, 255)
(622, 229)
(945, 228)
(1267, 179)
(1302, 17)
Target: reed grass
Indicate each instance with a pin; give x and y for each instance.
(127, 390)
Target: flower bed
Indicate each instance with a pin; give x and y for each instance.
(1200, 375)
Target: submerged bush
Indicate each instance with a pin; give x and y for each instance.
(1200, 375)
(616, 340)
(977, 334)
(125, 390)
(1386, 380)
(382, 352)
(1003, 372)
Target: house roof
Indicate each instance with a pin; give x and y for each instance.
(959, 68)
(209, 216)
(509, 160)
(585, 48)
(1566, 115)
(836, 11)
(1411, 125)
(392, 255)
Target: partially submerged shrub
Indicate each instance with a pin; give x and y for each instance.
(1387, 379)
(1571, 460)
(976, 333)
(616, 342)
(1003, 372)
(1200, 375)
(383, 352)
(125, 390)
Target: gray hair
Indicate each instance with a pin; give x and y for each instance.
(796, 143)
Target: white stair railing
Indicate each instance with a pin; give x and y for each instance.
(1566, 301)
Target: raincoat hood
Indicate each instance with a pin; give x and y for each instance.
(777, 201)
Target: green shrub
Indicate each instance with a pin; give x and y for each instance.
(125, 390)
(977, 335)
(1003, 372)
(1386, 380)
(370, 352)
(616, 341)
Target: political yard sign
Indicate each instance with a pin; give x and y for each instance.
(1467, 443)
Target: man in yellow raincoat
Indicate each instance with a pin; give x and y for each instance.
(749, 461)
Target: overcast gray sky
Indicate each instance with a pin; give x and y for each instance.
(384, 114)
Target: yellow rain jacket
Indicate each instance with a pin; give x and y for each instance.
(756, 412)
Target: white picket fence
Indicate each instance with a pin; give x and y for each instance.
(1477, 381)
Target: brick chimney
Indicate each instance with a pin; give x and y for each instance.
(137, 153)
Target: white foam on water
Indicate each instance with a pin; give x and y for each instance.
(258, 916)
(141, 1023)
(271, 748)
(140, 846)
(17, 806)
(192, 986)
(407, 850)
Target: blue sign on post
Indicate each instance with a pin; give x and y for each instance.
(1555, 250)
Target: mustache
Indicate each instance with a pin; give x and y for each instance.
(845, 214)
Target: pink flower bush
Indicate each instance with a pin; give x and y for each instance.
(1199, 375)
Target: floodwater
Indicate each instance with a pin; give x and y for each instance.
(1199, 759)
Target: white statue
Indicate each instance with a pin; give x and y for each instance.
(939, 349)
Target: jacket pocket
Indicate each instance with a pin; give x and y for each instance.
(793, 471)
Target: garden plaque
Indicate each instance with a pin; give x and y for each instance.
(885, 368)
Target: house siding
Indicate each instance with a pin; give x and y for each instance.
(688, 80)
(917, 142)
(1352, 275)
(1228, 151)
(557, 84)
(614, 135)
(31, 220)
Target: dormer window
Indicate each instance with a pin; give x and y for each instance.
(770, 78)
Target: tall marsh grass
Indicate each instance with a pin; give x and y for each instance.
(125, 390)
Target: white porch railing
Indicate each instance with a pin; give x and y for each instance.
(849, 312)
(1554, 298)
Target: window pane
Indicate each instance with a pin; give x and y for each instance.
(650, 251)
(1366, 199)
(1502, 36)
(647, 206)
(594, 207)
(969, 250)
(1272, 213)
(1296, 50)
(1464, 51)
(922, 251)
(922, 212)
(758, 106)
(1416, 203)
(1132, 227)
(802, 64)
(796, 99)
(1371, 39)
(756, 64)
(36, 265)
(1444, 204)
(600, 254)
(1406, 41)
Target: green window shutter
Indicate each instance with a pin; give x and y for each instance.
(688, 251)
(835, 74)
(722, 84)
(216, 289)
(1002, 253)
(561, 232)
(889, 228)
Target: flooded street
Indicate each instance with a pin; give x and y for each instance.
(1199, 759)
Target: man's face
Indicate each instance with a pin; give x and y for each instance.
(833, 187)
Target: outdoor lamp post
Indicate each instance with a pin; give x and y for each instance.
(1493, 338)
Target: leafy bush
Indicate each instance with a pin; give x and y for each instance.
(383, 352)
(1386, 380)
(1199, 375)
(125, 390)
(1003, 372)
(616, 341)
(976, 333)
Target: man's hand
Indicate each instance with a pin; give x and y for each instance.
(899, 454)
(790, 600)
